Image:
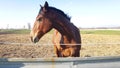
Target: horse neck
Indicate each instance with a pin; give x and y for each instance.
(65, 28)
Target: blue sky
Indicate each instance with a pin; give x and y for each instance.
(84, 13)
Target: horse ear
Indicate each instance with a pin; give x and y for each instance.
(46, 5)
(45, 8)
(41, 6)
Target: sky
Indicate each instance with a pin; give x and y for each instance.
(83, 13)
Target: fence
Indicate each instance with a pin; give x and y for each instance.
(13, 43)
(87, 62)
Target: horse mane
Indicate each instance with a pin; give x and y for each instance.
(61, 12)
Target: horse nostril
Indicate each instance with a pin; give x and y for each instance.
(35, 39)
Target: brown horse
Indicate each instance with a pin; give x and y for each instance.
(66, 37)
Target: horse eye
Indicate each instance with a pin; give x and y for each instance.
(40, 19)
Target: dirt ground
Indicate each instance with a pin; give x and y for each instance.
(27, 50)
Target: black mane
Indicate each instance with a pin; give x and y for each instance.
(61, 12)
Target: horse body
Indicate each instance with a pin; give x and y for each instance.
(66, 46)
(66, 37)
(67, 41)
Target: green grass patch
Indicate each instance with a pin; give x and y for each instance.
(14, 31)
(83, 31)
(103, 32)
(92, 31)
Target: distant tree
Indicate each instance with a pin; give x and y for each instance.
(29, 26)
(24, 27)
(7, 26)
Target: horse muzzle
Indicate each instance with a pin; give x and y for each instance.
(34, 39)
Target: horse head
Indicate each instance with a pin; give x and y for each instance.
(42, 24)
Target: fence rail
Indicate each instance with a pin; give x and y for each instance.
(13, 43)
(87, 62)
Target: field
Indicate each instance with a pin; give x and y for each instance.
(94, 43)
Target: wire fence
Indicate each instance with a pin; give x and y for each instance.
(49, 44)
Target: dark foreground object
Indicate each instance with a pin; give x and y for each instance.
(88, 62)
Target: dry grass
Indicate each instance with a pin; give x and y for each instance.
(100, 45)
(90, 46)
(101, 50)
(24, 51)
(91, 39)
